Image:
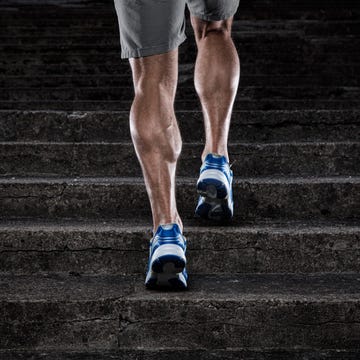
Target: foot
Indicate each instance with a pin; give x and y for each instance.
(166, 267)
(215, 188)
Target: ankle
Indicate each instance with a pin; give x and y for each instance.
(221, 153)
(176, 220)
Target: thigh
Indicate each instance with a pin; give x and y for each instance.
(213, 10)
(149, 27)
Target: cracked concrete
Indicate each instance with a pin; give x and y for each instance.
(248, 310)
(93, 247)
(264, 126)
(115, 159)
(254, 198)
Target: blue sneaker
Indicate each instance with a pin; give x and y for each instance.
(215, 188)
(166, 266)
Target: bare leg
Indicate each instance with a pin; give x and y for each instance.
(155, 132)
(217, 74)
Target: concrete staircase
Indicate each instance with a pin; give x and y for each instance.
(282, 281)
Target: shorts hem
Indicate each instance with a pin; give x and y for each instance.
(152, 50)
(223, 16)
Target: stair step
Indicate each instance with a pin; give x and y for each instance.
(250, 61)
(249, 44)
(86, 59)
(250, 40)
(103, 80)
(121, 67)
(229, 354)
(111, 105)
(29, 246)
(246, 126)
(111, 197)
(259, 55)
(242, 37)
(119, 159)
(112, 37)
(306, 27)
(252, 311)
(185, 93)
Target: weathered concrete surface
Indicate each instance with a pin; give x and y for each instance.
(246, 126)
(112, 247)
(230, 354)
(217, 312)
(119, 159)
(254, 198)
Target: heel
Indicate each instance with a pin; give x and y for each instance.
(212, 189)
(169, 259)
(213, 184)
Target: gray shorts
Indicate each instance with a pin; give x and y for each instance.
(149, 27)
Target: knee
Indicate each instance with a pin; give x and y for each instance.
(152, 106)
(203, 28)
(154, 89)
(155, 76)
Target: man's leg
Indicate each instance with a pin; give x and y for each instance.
(217, 73)
(155, 132)
(150, 34)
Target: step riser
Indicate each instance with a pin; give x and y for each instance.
(250, 127)
(232, 354)
(86, 326)
(211, 324)
(188, 50)
(264, 105)
(122, 68)
(243, 38)
(108, 252)
(121, 160)
(184, 94)
(245, 325)
(302, 27)
(86, 59)
(114, 45)
(112, 38)
(74, 82)
(253, 199)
